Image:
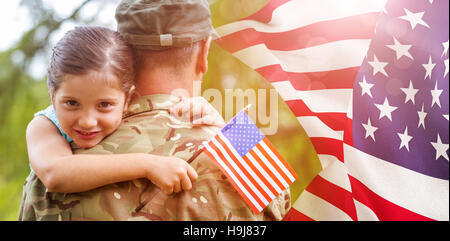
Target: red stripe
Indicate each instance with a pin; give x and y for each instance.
(334, 120)
(265, 14)
(247, 200)
(384, 209)
(236, 174)
(328, 146)
(333, 194)
(274, 165)
(332, 79)
(243, 169)
(252, 166)
(268, 171)
(353, 27)
(294, 215)
(278, 155)
(348, 132)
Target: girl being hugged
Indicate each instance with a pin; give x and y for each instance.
(91, 82)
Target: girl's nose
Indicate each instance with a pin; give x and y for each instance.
(87, 121)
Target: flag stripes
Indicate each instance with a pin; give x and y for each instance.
(268, 193)
(288, 15)
(323, 57)
(339, 197)
(259, 176)
(215, 154)
(319, 209)
(384, 209)
(336, 30)
(402, 189)
(333, 79)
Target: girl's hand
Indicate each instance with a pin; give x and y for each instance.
(199, 112)
(171, 174)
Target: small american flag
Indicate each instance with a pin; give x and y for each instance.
(252, 164)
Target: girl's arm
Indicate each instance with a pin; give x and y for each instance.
(52, 160)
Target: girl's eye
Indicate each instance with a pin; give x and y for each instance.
(105, 105)
(71, 103)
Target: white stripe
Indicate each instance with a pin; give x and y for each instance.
(350, 107)
(271, 167)
(277, 161)
(326, 160)
(336, 173)
(295, 14)
(314, 127)
(324, 57)
(364, 213)
(248, 168)
(219, 160)
(334, 100)
(414, 191)
(239, 171)
(263, 172)
(319, 209)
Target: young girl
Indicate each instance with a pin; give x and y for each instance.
(90, 82)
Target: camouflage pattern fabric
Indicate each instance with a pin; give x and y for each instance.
(148, 128)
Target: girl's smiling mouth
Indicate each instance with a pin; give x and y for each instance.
(87, 135)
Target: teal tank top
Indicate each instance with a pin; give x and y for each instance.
(51, 115)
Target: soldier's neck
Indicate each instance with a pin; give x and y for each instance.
(167, 81)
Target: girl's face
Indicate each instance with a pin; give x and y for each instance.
(89, 109)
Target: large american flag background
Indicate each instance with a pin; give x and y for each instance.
(368, 82)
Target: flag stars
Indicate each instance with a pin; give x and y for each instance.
(400, 49)
(386, 109)
(410, 92)
(436, 93)
(441, 148)
(428, 68)
(378, 66)
(370, 130)
(365, 87)
(414, 18)
(405, 139)
(422, 114)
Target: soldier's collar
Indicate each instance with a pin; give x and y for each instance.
(151, 102)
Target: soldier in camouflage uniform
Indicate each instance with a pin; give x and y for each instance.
(149, 128)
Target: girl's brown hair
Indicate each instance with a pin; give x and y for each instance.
(91, 48)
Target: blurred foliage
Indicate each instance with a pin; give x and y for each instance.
(21, 96)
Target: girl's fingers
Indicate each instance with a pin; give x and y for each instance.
(210, 120)
(180, 108)
(177, 187)
(168, 190)
(192, 173)
(207, 120)
(186, 184)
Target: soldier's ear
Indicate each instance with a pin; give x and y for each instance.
(202, 60)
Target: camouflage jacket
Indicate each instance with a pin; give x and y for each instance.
(148, 128)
